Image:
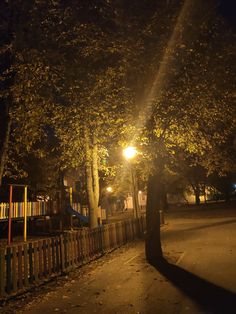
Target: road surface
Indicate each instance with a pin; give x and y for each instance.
(199, 275)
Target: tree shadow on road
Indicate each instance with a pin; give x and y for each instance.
(208, 296)
(214, 224)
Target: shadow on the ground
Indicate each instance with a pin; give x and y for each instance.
(171, 233)
(209, 297)
(214, 224)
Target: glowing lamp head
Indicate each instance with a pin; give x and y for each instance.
(109, 189)
(129, 152)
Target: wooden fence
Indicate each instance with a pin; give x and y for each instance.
(27, 264)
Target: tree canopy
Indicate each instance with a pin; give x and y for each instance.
(79, 78)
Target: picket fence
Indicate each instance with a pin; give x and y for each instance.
(27, 264)
(33, 209)
(36, 209)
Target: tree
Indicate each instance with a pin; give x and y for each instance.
(94, 110)
(185, 110)
(65, 65)
(223, 185)
(26, 83)
(5, 81)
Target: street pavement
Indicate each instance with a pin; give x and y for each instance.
(198, 275)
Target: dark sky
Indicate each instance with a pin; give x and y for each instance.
(228, 9)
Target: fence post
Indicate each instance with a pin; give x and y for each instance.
(80, 249)
(14, 264)
(134, 223)
(20, 274)
(49, 256)
(45, 272)
(90, 243)
(72, 247)
(26, 282)
(75, 239)
(100, 232)
(31, 279)
(114, 235)
(68, 251)
(62, 249)
(2, 272)
(84, 246)
(58, 255)
(106, 241)
(40, 255)
(128, 229)
(123, 231)
(119, 233)
(8, 270)
(132, 229)
(36, 263)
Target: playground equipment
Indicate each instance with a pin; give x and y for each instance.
(42, 209)
(10, 212)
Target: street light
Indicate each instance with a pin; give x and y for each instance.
(129, 153)
(109, 189)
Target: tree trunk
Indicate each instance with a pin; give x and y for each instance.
(95, 170)
(62, 200)
(5, 125)
(205, 195)
(92, 205)
(153, 236)
(197, 195)
(92, 179)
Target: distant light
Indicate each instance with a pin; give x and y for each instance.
(130, 152)
(109, 189)
(139, 192)
(234, 185)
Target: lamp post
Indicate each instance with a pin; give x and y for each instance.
(130, 153)
(109, 190)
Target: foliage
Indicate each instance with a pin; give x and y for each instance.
(191, 117)
(91, 65)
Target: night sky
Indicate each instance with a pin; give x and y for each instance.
(228, 9)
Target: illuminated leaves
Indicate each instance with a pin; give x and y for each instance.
(79, 63)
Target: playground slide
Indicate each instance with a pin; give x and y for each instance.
(73, 212)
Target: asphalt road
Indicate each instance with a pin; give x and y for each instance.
(199, 275)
